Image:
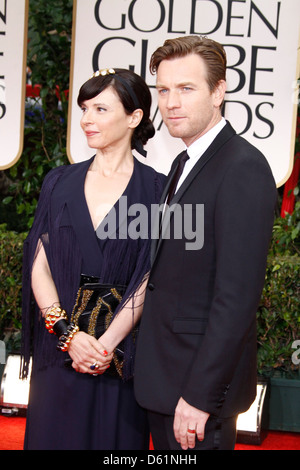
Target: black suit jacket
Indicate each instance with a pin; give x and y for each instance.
(197, 337)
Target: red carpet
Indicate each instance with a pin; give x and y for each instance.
(12, 434)
(275, 440)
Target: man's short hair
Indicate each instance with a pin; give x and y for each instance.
(210, 51)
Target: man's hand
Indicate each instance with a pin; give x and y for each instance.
(189, 422)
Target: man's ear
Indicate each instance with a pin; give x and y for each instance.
(219, 93)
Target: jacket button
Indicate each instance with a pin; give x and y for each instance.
(151, 286)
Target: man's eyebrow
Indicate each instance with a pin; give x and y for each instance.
(177, 85)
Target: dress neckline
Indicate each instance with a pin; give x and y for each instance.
(125, 192)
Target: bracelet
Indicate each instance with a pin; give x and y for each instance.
(65, 340)
(60, 328)
(52, 316)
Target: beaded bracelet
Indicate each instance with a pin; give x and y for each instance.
(52, 316)
(65, 340)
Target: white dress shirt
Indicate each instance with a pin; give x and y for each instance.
(197, 149)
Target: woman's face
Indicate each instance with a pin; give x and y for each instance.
(105, 123)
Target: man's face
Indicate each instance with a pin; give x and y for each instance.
(188, 108)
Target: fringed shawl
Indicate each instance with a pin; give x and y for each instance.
(62, 223)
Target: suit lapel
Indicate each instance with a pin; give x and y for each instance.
(169, 179)
(225, 134)
(157, 223)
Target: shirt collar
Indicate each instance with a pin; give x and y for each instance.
(200, 145)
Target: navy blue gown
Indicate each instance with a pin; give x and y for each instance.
(69, 410)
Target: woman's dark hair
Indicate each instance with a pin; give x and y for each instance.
(133, 93)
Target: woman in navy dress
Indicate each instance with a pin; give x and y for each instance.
(83, 225)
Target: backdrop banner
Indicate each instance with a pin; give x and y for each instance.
(13, 53)
(260, 37)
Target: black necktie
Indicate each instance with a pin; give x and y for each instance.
(173, 185)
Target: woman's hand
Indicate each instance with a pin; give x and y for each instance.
(87, 352)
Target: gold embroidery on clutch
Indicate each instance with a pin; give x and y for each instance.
(116, 294)
(95, 313)
(84, 301)
(85, 297)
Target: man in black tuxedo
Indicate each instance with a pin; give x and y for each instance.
(195, 365)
